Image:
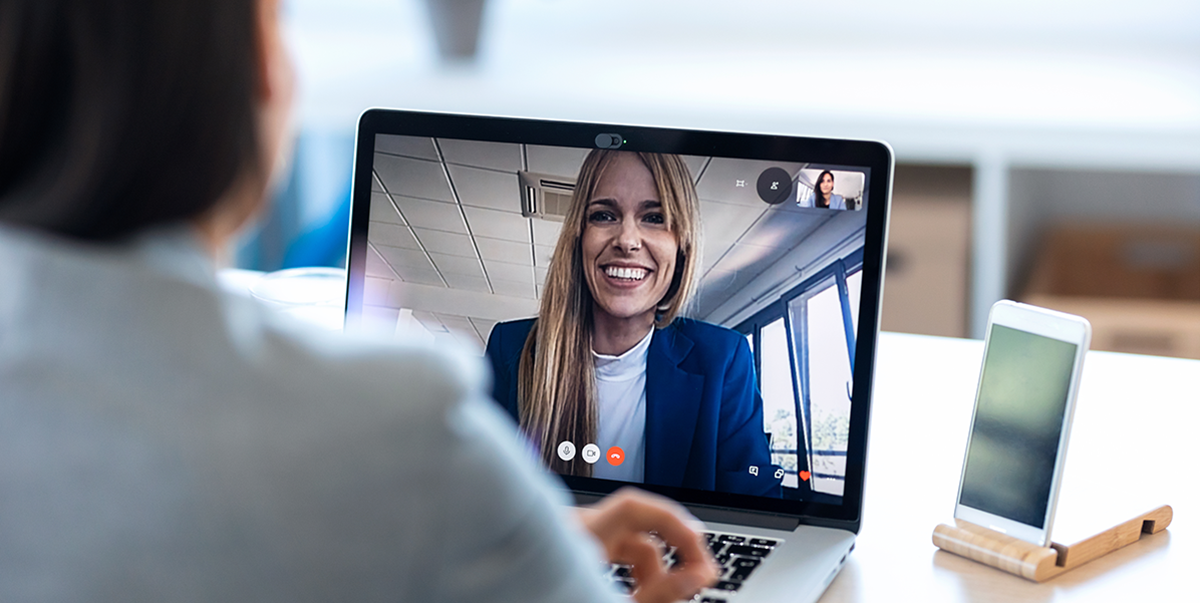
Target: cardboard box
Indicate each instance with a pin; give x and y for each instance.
(1138, 285)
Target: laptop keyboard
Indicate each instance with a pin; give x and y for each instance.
(737, 555)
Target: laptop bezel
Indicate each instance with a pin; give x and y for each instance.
(876, 156)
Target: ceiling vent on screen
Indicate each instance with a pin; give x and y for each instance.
(544, 196)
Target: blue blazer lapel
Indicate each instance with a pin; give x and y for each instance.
(672, 407)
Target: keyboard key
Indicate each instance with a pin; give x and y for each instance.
(727, 585)
(712, 600)
(747, 551)
(732, 538)
(746, 562)
(740, 574)
(623, 571)
(764, 542)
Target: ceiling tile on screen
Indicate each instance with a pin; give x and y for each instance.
(505, 251)
(376, 266)
(545, 232)
(466, 282)
(696, 165)
(410, 146)
(508, 226)
(420, 276)
(456, 264)
(542, 255)
(437, 241)
(392, 235)
(555, 161)
(413, 177)
(397, 257)
(485, 188)
(508, 272)
(433, 215)
(383, 211)
(503, 156)
(514, 289)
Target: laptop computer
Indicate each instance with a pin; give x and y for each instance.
(755, 262)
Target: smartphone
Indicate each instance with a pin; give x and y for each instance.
(1032, 362)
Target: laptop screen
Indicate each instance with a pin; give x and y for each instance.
(684, 321)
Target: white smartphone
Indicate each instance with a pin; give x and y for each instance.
(1032, 362)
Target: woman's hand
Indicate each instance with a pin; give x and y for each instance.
(632, 525)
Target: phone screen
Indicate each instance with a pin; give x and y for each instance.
(1018, 423)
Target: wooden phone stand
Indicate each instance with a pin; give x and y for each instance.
(1037, 563)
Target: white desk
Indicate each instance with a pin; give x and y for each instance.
(1133, 447)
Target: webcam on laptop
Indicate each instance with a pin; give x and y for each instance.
(609, 141)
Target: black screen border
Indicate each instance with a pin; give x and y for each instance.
(876, 156)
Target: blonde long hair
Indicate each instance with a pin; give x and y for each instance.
(556, 379)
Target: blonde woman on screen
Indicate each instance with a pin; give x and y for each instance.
(611, 362)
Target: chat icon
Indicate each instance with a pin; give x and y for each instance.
(754, 470)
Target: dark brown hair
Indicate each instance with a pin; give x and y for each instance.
(118, 115)
(819, 198)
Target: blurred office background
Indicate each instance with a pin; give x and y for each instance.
(1047, 151)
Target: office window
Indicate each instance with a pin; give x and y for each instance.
(824, 367)
(804, 345)
(779, 399)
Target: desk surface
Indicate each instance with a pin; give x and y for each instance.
(1132, 444)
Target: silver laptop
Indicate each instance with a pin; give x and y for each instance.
(752, 264)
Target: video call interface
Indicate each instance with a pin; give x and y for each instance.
(743, 385)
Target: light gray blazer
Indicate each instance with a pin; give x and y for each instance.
(161, 440)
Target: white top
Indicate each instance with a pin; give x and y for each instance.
(162, 440)
(621, 388)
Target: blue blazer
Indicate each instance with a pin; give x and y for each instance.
(704, 413)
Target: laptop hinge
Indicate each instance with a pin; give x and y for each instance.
(745, 518)
(721, 515)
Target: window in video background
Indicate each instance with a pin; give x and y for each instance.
(461, 234)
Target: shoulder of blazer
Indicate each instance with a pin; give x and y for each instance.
(512, 335)
(699, 342)
(706, 333)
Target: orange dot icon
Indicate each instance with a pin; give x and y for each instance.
(616, 456)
